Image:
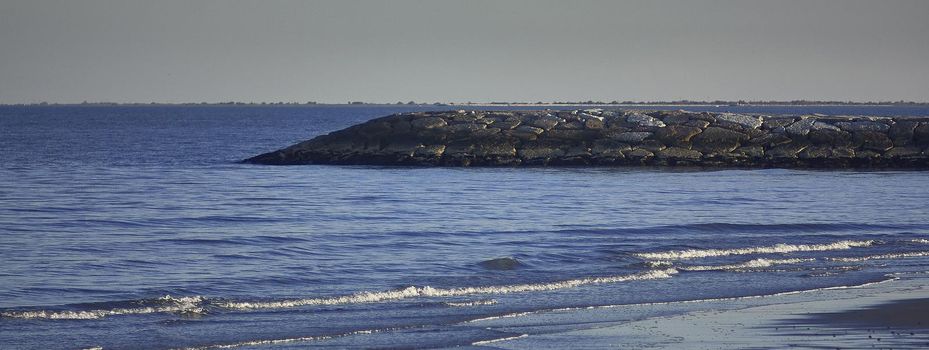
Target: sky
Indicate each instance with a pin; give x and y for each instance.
(458, 51)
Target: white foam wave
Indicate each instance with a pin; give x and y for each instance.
(777, 248)
(889, 278)
(920, 240)
(751, 264)
(881, 257)
(471, 303)
(659, 264)
(278, 341)
(167, 304)
(491, 341)
(414, 292)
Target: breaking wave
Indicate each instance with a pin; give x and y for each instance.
(165, 304)
(751, 264)
(777, 248)
(416, 292)
(881, 257)
(282, 341)
(491, 341)
(470, 303)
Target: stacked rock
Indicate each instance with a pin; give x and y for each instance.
(619, 138)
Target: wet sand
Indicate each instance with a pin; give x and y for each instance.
(889, 315)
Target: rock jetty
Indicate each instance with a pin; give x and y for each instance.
(598, 137)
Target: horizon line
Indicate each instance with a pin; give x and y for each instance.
(471, 103)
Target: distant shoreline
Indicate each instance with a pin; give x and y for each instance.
(488, 104)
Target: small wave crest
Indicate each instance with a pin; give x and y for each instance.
(751, 264)
(920, 240)
(165, 304)
(881, 257)
(658, 264)
(772, 249)
(470, 303)
(427, 291)
(282, 341)
(491, 341)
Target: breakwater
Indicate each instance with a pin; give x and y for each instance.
(599, 137)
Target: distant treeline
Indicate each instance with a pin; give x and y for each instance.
(735, 103)
(588, 102)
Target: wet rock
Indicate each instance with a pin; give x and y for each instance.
(571, 134)
(677, 134)
(594, 123)
(901, 133)
(645, 120)
(921, 134)
(822, 152)
(525, 132)
(743, 121)
(401, 148)
(609, 148)
(639, 153)
(770, 140)
(718, 140)
(863, 125)
(675, 119)
(547, 122)
(494, 148)
(750, 151)
(401, 125)
(679, 153)
(777, 122)
(903, 152)
(830, 136)
(485, 133)
(631, 137)
(459, 148)
(820, 125)
(788, 150)
(531, 151)
(872, 140)
(506, 124)
(465, 117)
(465, 127)
(652, 145)
(574, 124)
(702, 124)
(577, 151)
(430, 151)
(867, 154)
(428, 123)
(801, 127)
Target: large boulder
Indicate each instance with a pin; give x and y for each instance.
(677, 135)
(718, 140)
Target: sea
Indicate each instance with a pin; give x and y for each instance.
(136, 227)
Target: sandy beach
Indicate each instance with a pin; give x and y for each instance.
(886, 315)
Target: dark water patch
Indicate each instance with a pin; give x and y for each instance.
(909, 314)
(503, 264)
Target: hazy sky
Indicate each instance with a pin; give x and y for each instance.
(385, 51)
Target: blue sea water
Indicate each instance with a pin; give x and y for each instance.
(136, 228)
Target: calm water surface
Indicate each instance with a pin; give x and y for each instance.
(134, 228)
